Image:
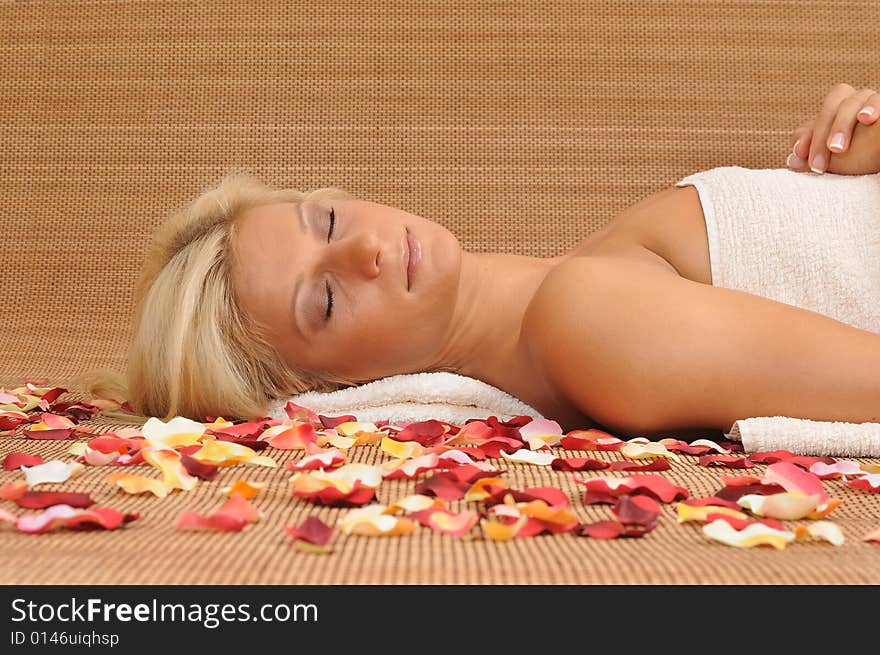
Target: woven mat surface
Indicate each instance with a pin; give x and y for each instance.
(521, 126)
(151, 551)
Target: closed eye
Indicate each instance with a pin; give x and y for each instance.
(329, 311)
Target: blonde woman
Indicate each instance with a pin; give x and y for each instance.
(252, 293)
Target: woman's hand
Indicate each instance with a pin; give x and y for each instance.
(844, 138)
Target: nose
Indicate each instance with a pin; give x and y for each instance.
(357, 254)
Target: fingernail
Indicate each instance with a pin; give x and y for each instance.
(794, 148)
(837, 141)
(867, 111)
(818, 164)
(794, 161)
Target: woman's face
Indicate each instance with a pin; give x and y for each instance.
(287, 265)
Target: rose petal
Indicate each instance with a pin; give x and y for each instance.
(43, 499)
(637, 450)
(174, 474)
(730, 461)
(188, 520)
(873, 535)
(326, 459)
(371, 521)
(830, 471)
(578, 464)
(65, 516)
(409, 468)
(637, 510)
(524, 456)
(199, 469)
(755, 534)
(651, 484)
(869, 482)
(53, 471)
(788, 506)
(137, 484)
(741, 524)
(313, 531)
(795, 479)
(243, 488)
(601, 530)
(655, 465)
(442, 520)
(14, 460)
(822, 530)
(701, 513)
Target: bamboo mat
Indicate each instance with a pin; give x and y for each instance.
(521, 126)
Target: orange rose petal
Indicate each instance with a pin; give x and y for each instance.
(402, 449)
(174, 474)
(7, 517)
(296, 436)
(497, 531)
(137, 484)
(14, 490)
(241, 508)
(243, 488)
(409, 468)
(483, 488)
(371, 521)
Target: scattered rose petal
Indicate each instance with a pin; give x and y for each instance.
(298, 435)
(822, 530)
(189, 520)
(7, 517)
(741, 524)
(442, 520)
(409, 468)
(402, 449)
(13, 460)
(198, 469)
(591, 439)
(137, 484)
(179, 431)
(755, 534)
(578, 464)
(702, 512)
(841, 468)
(14, 490)
(869, 482)
(174, 474)
(311, 532)
(53, 471)
(484, 488)
(637, 510)
(795, 479)
(524, 456)
(64, 516)
(638, 450)
(804, 461)
(655, 465)
(371, 521)
(227, 453)
(602, 530)
(414, 503)
(713, 500)
(498, 531)
(788, 506)
(325, 459)
(443, 487)
(873, 535)
(651, 484)
(730, 461)
(43, 499)
(243, 488)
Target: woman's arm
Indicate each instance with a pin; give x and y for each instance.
(646, 353)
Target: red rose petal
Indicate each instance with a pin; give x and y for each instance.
(194, 521)
(425, 433)
(13, 460)
(56, 433)
(443, 487)
(741, 524)
(44, 499)
(639, 510)
(197, 468)
(730, 461)
(601, 530)
(804, 461)
(313, 530)
(713, 501)
(734, 493)
(578, 464)
(658, 464)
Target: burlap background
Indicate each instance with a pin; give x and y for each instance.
(522, 126)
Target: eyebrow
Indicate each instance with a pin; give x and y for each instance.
(299, 279)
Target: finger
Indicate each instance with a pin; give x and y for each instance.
(819, 154)
(871, 110)
(800, 139)
(840, 132)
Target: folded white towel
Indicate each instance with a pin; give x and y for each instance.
(413, 397)
(805, 437)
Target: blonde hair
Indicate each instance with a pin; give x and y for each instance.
(194, 353)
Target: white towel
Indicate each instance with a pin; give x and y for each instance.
(807, 240)
(804, 437)
(413, 397)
